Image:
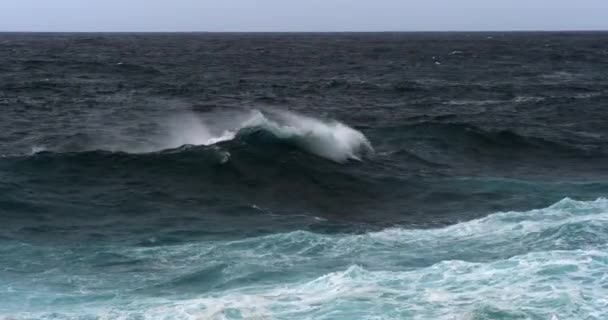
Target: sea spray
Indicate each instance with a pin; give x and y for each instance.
(329, 139)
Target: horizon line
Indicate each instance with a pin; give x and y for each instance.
(347, 31)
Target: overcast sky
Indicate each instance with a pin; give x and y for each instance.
(301, 15)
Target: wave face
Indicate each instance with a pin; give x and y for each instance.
(547, 264)
(203, 176)
(332, 140)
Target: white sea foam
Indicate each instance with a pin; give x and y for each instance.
(37, 149)
(332, 140)
(535, 285)
(537, 264)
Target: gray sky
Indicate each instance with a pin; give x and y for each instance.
(301, 15)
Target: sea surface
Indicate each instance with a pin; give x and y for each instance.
(304, 176)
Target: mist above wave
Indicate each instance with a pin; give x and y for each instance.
(328, 139)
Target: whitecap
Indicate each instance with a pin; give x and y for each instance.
(329, 139)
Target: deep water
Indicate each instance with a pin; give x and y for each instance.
(304, 176)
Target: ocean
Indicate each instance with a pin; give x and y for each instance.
(304, 176)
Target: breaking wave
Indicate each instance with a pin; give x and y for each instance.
(328, 139)
(332, 140)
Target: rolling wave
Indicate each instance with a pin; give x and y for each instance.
(496, 139)
(250, 157)
(508, 265)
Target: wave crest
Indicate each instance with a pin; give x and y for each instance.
(328, 139)
(332, 140)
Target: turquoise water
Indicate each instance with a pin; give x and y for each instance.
(548, 263)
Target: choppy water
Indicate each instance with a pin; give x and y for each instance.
(304, 176)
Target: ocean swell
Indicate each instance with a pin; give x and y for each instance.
(480, 269)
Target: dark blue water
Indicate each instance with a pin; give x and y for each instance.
(304, 176)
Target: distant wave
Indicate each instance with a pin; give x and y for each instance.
(492, 140)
